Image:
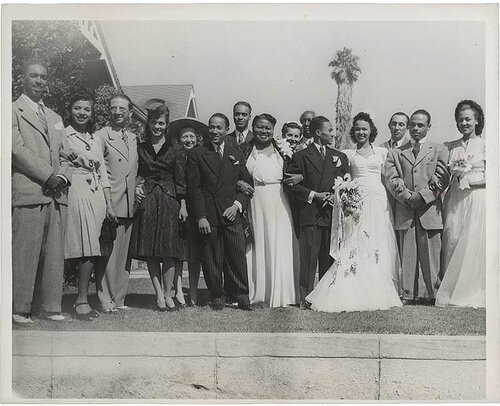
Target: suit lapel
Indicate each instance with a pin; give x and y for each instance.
(315, 158)
(225, 168)
(328, 170)
(115, 141)
(212, 160)
(30, 116)
(425, 150)
(407, 152)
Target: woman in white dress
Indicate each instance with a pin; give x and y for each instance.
(272, 266)
(464, 234)
(88, 199)
(365, 273)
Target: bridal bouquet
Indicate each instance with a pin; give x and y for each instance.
(460, 166)
(349, 197)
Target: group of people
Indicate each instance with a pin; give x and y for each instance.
(260, 214)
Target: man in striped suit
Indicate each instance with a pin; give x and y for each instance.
(212, 173)
(320, 165)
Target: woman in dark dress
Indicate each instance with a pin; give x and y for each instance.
(156, 230)
(189, 133)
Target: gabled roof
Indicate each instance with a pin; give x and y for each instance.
(179, 98)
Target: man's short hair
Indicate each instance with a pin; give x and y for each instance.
(122, 96)
(306, 112)
(317, 123)
(33, 61)
(425, 113)
(221, 116)
(400, 113)
(243, 103)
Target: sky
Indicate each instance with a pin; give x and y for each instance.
(281, 67)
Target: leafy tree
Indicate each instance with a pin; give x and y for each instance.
(62, 46)
(345, 72)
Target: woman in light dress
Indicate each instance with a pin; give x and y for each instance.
(88, 199)
(273, 264)
(464, 234)
(365, 273)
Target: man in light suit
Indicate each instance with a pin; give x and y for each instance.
(242, 112)
(398, 127)
(40, 176)
(121, 160)
(416, 175)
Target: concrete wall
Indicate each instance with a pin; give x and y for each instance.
(124, 365)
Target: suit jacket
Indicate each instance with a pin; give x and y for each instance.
(319, 176)
(212, 183)
(121, 165)
(387, 144)
(416, 174)
(231, 138)
(36, 156)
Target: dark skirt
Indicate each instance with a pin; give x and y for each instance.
(156, 231)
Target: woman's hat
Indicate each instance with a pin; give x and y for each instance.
(154, 104)
(178, 124)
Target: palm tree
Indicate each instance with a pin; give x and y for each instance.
(345, 72)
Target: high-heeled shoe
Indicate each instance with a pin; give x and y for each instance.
(89, 316)
(161, 306)
(180, 304)
(171, 307)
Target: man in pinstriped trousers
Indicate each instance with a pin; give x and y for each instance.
(212, 173)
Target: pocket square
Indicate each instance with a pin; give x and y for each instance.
(236, 163)
(339, 163)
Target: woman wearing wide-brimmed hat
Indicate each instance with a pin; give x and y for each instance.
(156, 235)
(189, 133)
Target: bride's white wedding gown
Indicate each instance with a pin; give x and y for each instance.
(365, 273)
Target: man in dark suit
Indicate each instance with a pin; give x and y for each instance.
(319, 165)
(242, 113)
(212, 173)
(40, 177)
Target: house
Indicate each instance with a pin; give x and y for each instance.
(99, 70)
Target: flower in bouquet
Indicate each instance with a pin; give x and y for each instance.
(284, 148)
(459, 166)
(350, 198)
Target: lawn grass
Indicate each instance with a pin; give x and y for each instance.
(142, 317)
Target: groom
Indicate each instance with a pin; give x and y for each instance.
(319, 165)
(212, 173)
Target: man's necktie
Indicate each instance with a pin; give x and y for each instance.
(240, 138)
(125, 138)
(416, 149)
(219, 151)
(322, 152)
(43, 119)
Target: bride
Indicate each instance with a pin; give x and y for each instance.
(365, 273)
